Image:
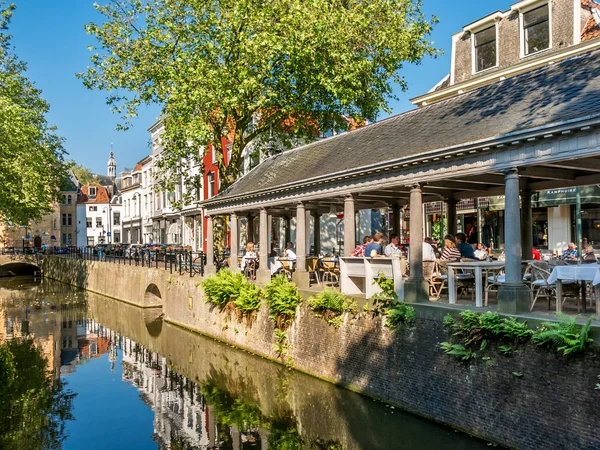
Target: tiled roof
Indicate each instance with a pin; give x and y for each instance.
(591, 29)
(563, 91)
(101, 194)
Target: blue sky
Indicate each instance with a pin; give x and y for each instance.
(49, 36)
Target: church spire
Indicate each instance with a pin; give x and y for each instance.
(112, 165)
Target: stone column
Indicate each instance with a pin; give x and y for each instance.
(451, 216)
(526, 225)
(396, 219)
(416, 289)
(288, 230)
(249, 229)
(513, 296)
(210, 268)
(263, 274)
(307, 233)
(235, 239)
(349, 225)
(317, 233)
(300, 274)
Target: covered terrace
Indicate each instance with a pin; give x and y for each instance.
(536, 131)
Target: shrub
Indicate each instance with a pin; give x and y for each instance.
(401, 313)
(249, 298)
(283, 299)
(566, 336)
(331, 304)
(222, 288)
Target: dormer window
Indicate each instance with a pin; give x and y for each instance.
(92, 192)
(484, 43)
(536, 29)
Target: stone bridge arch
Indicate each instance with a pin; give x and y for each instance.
(18, 268)
(153, 296)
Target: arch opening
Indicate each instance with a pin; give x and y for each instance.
(18, 269)
(152, 296)
(153, 319)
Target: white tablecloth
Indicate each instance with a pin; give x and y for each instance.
(586, 272)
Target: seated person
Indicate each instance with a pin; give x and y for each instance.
(465, 249)
(392, 248)
(480, 253)
(360, 250)
(571, 253)
(273, 253)
(451, 252)
(289, 252)
(428, 251)
(250, 255)
(589, 255)
(535, 253)
(374, 249)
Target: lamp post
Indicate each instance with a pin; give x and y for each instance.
(140, 210)
(108, 229)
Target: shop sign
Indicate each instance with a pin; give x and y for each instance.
(567, 196)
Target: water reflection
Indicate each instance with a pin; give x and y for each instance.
(201, 394)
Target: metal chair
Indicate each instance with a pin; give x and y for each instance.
(312, 267)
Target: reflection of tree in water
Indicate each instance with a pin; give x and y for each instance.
(33, 404)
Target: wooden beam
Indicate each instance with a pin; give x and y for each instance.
(547, 173)
(588, 164)
(455, 185)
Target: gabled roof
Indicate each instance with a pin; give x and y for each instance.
(102, 194)
(565, 91)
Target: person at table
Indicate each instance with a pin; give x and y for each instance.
(374, 249)
(472, 234)
(273, 253)
(480, 252)
(451, 252)
(571, 253)
(249, 256)
(465, 249)
(589, 255)
(535, 253)
(428, 251)
(289, 252)
(360, 249)
(392, 248)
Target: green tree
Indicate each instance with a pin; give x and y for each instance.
(83, 174)
(252, 70)
(33, 404)
(31, 154)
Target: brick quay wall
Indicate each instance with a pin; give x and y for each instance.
(533, 399)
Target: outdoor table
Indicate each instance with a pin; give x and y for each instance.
(578, 272)
(478, 267)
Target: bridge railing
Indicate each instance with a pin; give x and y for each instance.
(175, 261)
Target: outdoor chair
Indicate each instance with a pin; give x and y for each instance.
(312, 267)
(330, 272)
(432, 277)
(464, 279)
(288, 268)
(540, 288)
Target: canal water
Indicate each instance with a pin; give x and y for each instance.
(94, 373)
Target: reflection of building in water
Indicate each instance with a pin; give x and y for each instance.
(82, 340)
(180, 412)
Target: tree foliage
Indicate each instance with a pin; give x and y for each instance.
(31, 154)
(83, 174)
(33, 404)
(252, 71)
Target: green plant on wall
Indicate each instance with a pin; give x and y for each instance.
(331, 305)
(565, 336)
(231, 292)
(386, 303)
(283, 299)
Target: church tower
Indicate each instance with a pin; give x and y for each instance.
(112, 165)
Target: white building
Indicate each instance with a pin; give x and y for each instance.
(131, 193)
(93, 207)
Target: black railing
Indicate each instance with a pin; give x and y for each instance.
(175, 261)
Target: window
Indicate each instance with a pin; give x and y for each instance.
(536, 29)
(64, 200)
(93, 208)
(116, 218)
(92, 191)
(90, 241)
(117, 237)
(69, 219)
(64, 238)
(98, 222)
(54, 224)
(64, 220)
(145, 202)
(88, 222)
(214, 154)
(485, 48)
(70, 238)
(69, 199)
(211, 184)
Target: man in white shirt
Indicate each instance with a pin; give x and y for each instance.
(392, 248)
(428, 252)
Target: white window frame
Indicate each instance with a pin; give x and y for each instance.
(473, 47)
(94, 190)
(523, 8)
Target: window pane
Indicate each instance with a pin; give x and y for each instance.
(535, 16)
(485, 56)
(536, 26)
